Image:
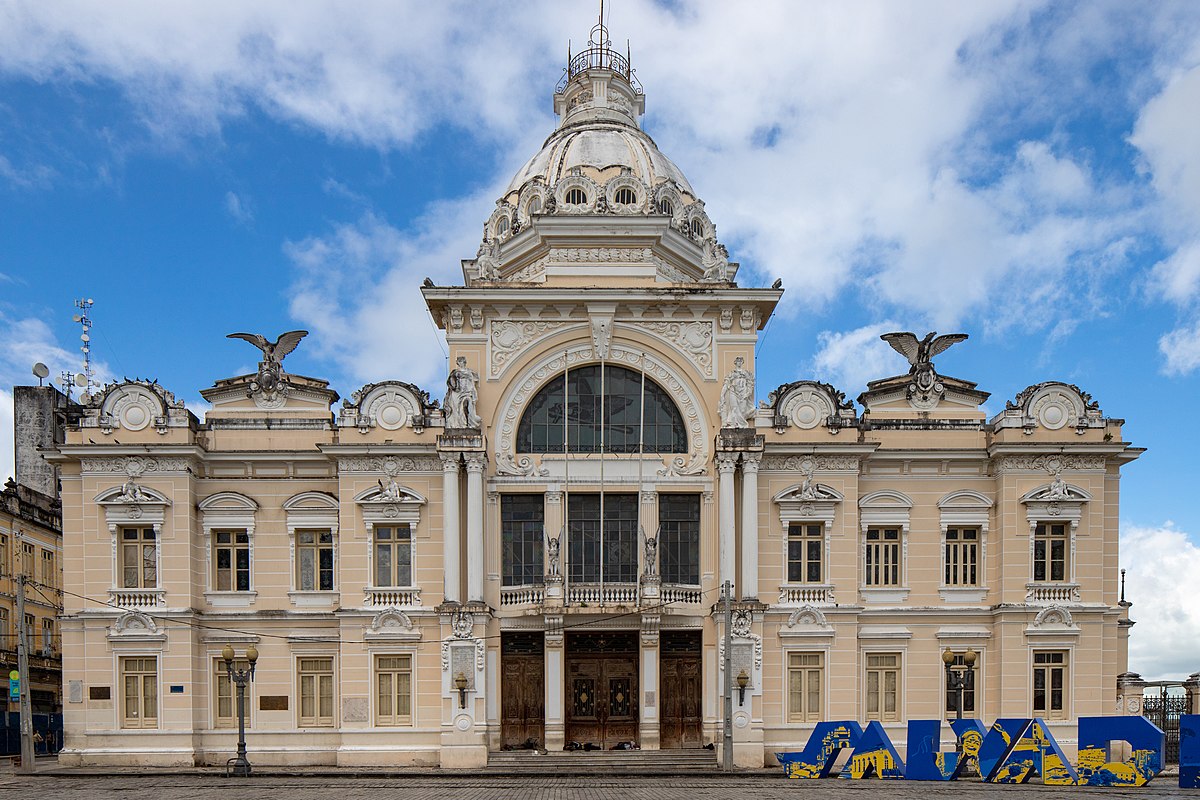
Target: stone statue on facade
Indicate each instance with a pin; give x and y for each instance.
(552, 557)
(808, 489)
(487, 260)
(268, 386)
(715, 260)
(131, 492)
(390, 491)
(462, 397)
(1057, 490)
(736, 406)
(925, 390)
(651, 555)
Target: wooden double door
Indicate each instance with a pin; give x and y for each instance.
(602, 688)
(681, 722)
(522, 689)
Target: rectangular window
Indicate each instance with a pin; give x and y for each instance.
(1050, 552)
(522, 529)
(6, 643)
(883, 686)
(314, 561)
(968, 692)
(4, 555)
(139, 558)
(883, 557)
(225, 694)
(139, 703)
(393, 690)
(47, 637)
(231, 561)
(1050, 684)
(616, 538)
(49, 571)
(679, 538)
(316, 692)
(393, 555)
(804, 686)
(27, 559)
(806, 541)
(962, 557)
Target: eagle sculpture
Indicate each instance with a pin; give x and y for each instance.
(273, 352)
(920, 353)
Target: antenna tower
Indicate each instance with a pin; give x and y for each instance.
(85, 323)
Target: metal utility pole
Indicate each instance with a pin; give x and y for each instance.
(27, 756)
(727, 739)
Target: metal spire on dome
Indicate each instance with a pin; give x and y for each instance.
(599, 54)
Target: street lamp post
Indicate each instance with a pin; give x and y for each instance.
(240, 765)
(958, 676)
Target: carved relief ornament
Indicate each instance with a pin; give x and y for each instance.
(1041, 463)
(806, 463)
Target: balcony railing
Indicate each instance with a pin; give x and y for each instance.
(1052, 593)
(596, 594)
(806, 595)
(522, 595)
(678, 594)
(392, 597)
(137, 598)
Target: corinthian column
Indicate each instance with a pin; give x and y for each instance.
(749, 584)
(726, 519)
(451, 530)
(475, 464)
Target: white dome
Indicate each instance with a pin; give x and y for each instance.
(600, 145)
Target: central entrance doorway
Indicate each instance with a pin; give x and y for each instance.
(602, 687)
(522, 690)
(680, 656)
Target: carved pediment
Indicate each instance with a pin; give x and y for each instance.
(809, 492)
(132, 493)
(135, 625)
(392, 623)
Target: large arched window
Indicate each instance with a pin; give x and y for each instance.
(614, 411)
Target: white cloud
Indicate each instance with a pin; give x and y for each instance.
(27, 341)
(238, 208)
(849, 359)
(1162, 566)
(1181, 348)
(358, 289)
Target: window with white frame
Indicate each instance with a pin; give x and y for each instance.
(314, 679)
(962, 557)
(138, 557)
(1051, 542)
(805, 674)
(393, 555)
(805, 552)
(393, 685)
(884, 517)
(1050, 698)
(225, 694)
(312, 521)
(228, 520)
(314, 560)
(139, 696)
(231, 561)
(883, 686)
(883, 564)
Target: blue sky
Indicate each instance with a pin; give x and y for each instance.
(1027, 173)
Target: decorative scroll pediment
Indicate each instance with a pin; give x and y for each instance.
(389, 502)
(134, 625)
(391, 405)
(809, 492)
(1052, 405)
(392, 624)
(1057, 491)
(807, 621)
(132, 493)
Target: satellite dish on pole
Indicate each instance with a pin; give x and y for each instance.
(81, 381)
(41, 372)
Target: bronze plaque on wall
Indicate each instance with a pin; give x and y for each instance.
(273, 702)
(99, 693)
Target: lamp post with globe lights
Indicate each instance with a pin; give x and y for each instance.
(239, 765)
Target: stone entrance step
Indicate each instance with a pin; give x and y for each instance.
(602, 762)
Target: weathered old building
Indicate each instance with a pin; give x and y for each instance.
(540, 555)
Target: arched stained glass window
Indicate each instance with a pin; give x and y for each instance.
(615, 412)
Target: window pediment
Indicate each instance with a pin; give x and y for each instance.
(389, 502)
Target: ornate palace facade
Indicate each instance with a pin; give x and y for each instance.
(539, 554)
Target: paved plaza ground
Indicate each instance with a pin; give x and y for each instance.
(766, 784)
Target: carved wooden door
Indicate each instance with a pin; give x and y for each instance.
(602, 700)
(522, 693)
(681, 707)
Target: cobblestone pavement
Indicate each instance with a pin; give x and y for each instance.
(764, 785)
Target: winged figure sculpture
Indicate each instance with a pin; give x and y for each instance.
(920, 353)
(273, 352)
